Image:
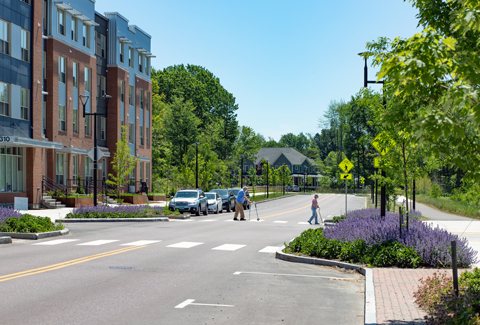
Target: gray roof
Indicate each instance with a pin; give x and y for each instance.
(272, 154)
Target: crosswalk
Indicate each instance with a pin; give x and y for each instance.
(184, 244)
(231, 220)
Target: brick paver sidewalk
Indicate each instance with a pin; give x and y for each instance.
(394, 290)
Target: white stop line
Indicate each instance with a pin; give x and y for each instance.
(190, 302)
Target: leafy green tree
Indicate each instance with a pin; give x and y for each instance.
(180, 128)
(123, 162)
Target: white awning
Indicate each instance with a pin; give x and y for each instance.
(27, 142)
(123, 39)
(62, 5)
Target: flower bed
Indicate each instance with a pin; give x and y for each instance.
(7, 213)
(122, 211)
(365, 237)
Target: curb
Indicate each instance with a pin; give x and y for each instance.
(5, 240)
(112, 219)
(370, 307)
(34, 236)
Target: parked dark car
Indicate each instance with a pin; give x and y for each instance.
(296, 188)
(289, 188)
(228, 199)
(193, 201)
(235, 191)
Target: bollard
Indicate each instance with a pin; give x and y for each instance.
(454, 267)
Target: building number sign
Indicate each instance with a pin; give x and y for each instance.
(5, 139)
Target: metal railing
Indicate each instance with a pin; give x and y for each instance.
(49, 185)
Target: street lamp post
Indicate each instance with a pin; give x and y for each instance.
(383, 193)
(84, 100)
(304, 181)
(196, 164)
(241, 173)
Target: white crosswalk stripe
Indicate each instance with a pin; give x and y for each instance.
(141, 242)
(209, 220)
(228, 247)
(270, 249)
(98, 242)
(185, 244)
(278, 221)
(56, 242)
(303, 223)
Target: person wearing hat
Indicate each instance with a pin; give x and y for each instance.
(239, 204)
(314, 210)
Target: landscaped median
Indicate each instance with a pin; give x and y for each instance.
(120, 213)
(15, 225)
(364, 237)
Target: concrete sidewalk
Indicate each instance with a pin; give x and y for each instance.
(394, 287)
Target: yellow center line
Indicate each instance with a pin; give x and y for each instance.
(68, 263)
(309, 205)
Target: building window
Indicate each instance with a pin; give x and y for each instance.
(75, 74)
(122, 53)
(131, 179)
(130, 96)
(131, 133)
(24, 103)
(25, 44)
(141, 135)
(140, 62)
(26, 1)
(147, 176)
(103, 128)
(61, 69)
(74, 23)
(75, 169)
(61, 21)
(103, 86)
(104, 169)
(141, 98)
(88, 127)
(44, 117)
(130, 57)
(141, 172)
(11, 169)
(61, 118)
(147, 66)
(4, 99)
(122, 91)
(44, 69)
(4, 37)
(59, 168)
(88, 170)
(75, 119)
(100, 46)
(88, 79)
(147, 101)
(86, 35)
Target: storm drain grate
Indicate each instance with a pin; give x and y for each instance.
(125, 268)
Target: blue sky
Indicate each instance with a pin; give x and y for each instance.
(284, 61)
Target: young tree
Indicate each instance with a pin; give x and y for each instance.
(123, 162)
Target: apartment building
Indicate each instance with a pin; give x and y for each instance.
(58, 59)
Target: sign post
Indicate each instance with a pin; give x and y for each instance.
(346, 165)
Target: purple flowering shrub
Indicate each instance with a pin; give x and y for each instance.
(436, 296)
(431, 244)
(7, 213)
(121, 211)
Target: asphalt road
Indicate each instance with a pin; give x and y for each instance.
(208, 270)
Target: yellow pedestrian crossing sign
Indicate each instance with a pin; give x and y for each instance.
(382, 144)
(346, 176)
(346, 165)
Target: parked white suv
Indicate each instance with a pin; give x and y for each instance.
(193, 201)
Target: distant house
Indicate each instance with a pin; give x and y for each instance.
(298, 163)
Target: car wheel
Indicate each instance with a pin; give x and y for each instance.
(198, 211)
(216, 212)
(221, 210)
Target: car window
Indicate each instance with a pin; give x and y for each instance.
(220, 192)
(211, 196)
(186, 195)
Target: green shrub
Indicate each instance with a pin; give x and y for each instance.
(437, 297)
(337, 219)
(29, 224)
(435, 191)
(389, 253)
